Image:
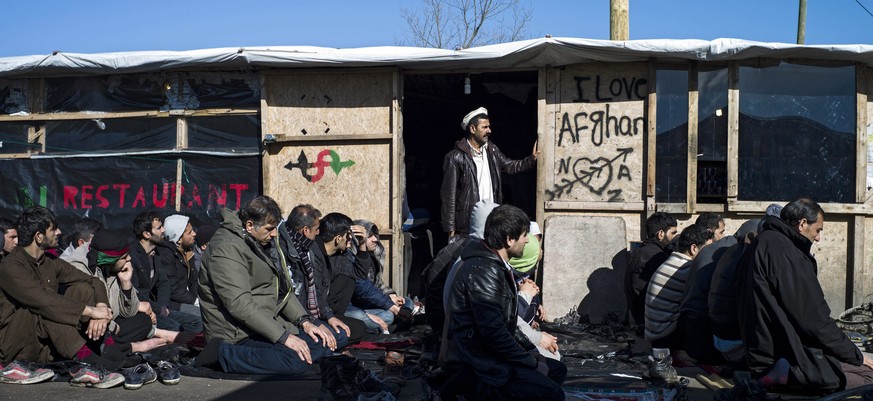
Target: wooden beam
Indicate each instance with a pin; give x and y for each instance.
(265, 126)
(675, 208)
(397, 189)
(836, 208)
(543, 136)
(861, 133)
(284, 139)
(733, 128)
(858, 281)
(617, 206)
(180, 165)
(127, 114)
(691, 167)
(651, 130)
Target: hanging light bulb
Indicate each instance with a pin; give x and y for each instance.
(467, 85)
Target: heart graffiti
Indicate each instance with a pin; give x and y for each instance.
(596, 174)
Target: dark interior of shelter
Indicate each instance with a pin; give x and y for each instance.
(433, 107)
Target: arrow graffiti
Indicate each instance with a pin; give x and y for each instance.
(336, 164)
(594, 174)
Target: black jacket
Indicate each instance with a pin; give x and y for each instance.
(151, 283)
(641, 265)
(723, 294)
(460, 189)
(783, 313)
(182, 277)
(696, 302)
(482, 317)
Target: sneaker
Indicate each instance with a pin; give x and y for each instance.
(663, 369)
(168, 373)
(95, 376)
(138, 375)
(18, 372)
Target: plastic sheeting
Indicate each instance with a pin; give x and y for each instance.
(152, 91)
(110, 135)
(225, 133)
(532, 53)
(13, 138)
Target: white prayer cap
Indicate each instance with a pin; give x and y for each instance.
(534, 229)
(470, 116)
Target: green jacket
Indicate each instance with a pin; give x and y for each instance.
(242, 294)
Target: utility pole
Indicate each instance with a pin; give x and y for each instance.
(801, 23)
(618, 20)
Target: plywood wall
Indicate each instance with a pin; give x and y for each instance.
(352, 179)
(318, 160)
(328, 104)
(600, 124)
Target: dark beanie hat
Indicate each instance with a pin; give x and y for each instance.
(107, 244)
(204, 234)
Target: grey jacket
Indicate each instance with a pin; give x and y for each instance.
(121, 305)
(242, 293)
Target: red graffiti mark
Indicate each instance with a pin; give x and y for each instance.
(102, 202)
(120, 188)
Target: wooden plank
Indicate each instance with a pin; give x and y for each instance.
(836, 208)
(265, 157)
(542, 138)
(652, 132)
(861, 133)
(733, 139)
(126, 114)
(709, 207)
(857, 286)
(675, 208)
(181, 133)
(178, 200)
(617, 206)
(691, 167)
(397, 190)
(286, 139)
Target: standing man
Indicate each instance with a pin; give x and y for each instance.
(471, 172)
(481, 342)
(784, 319)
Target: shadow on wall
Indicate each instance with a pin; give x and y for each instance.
(605, 300)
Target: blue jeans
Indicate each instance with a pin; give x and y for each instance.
(180, 321)
(361, 314)
(251, 356)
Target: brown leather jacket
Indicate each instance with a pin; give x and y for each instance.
(460, 190)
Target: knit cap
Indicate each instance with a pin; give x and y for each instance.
(175, 227)
(204, 234)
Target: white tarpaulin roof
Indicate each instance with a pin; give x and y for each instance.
(524, 54)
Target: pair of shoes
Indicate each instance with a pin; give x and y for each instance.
(418, 309)
(19, 372)
(95, 376)
(168, 373)
(138, 376)
(663, 369)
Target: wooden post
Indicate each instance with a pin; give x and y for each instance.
(801, 23)
(619, 26)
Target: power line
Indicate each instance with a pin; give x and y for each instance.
(865, 8)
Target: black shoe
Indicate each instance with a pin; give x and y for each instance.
(209, 356)
(168, 373)
(138, 376)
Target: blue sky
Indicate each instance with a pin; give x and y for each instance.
(40, 27)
